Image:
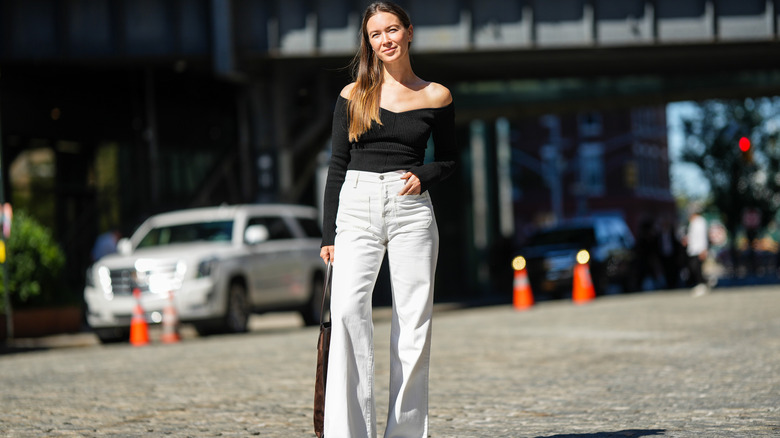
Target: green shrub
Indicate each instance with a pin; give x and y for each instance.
(35, 262)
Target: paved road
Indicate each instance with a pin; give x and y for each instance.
(656, 364)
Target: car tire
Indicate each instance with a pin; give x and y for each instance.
(112, 335)
(312, 311)
(237, 311)
(601, 281)
(236, 317)
(630, 282)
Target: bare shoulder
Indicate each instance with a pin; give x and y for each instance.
(347, 90)
(438, 95)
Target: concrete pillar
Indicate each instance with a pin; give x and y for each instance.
(480, 205)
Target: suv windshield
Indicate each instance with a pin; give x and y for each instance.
(199, 232)
(583, 237)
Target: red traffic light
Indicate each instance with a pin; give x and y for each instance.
(744, 144)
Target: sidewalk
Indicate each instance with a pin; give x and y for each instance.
(637, 365)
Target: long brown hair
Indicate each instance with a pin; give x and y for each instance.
(367, 73)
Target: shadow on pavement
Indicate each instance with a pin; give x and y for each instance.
(65, 340)
(13, 349)
(631, 433)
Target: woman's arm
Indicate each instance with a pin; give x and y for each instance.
(337, 170)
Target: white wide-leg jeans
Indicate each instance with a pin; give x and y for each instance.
(372, 218)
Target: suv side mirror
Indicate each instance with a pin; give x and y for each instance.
(255, 234)
(124, 246)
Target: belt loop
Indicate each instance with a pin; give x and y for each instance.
(357, 177)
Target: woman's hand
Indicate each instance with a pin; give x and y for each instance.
(326, 253)
(412, 186)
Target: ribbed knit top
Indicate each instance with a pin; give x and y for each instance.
(399, 143)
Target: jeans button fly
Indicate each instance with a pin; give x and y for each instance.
(381, 177)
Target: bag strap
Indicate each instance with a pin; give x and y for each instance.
(326, 291)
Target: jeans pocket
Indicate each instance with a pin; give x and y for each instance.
(354, 211)
(413, 212)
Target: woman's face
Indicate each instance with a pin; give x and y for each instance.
(388, 37)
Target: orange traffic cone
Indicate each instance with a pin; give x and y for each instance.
(139, 331)
(523, 297)
(170, 323)
(583, 285)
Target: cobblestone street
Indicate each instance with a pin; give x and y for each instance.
(653, 364)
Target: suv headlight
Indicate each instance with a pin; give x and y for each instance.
(583, 257)
(103, 275)
(518, 263)
(207, 267)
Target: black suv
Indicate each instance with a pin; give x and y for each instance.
(550, 255)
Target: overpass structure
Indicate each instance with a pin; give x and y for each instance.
(274, 52)
(196, 102)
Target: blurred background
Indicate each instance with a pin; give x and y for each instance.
(113, 110)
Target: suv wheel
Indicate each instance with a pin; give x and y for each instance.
(112, 335)
(237, 314)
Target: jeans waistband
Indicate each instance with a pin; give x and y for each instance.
(355, 176)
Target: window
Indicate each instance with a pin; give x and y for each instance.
(581, 236)
(590, 124)
(310, 227)
(221, 231)
(652, 177)
(277, 228)
(591, 156)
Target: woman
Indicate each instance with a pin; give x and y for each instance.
(376, 201)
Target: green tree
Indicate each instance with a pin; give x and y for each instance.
(35, 262)
(739, 180)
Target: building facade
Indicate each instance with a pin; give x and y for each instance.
(601, 161)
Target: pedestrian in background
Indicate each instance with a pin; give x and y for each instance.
(648, 268)
(670, 252)
(376, 201)
(697, 244)
(105, 244)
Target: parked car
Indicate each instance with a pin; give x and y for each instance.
(220, 263)
(550, 255)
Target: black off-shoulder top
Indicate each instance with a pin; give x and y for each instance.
(399, 143)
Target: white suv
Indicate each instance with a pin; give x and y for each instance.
(221, 263)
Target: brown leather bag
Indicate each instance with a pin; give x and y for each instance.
(323, 348)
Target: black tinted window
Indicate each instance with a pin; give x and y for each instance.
(581, 236)
(206, 231)
(277, 227)
(310, 227)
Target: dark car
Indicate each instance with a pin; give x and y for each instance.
(550, 255)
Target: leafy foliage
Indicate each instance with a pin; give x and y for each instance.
(739, 180)
(34, 259)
